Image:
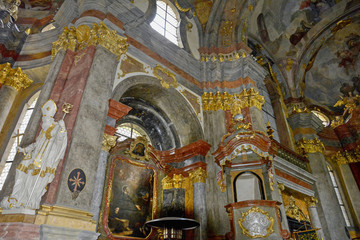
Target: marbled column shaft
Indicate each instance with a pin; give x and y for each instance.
(200, 210)
(315, 221)
(328, 200)
(7, 96)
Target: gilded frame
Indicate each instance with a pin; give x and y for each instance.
(104, 217)
(256, 210)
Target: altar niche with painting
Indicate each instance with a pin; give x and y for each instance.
(131, 201)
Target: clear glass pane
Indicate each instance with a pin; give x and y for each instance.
(171, 29)
(161, 4)
(338, 195)
(4, 174)
(171, 37)
(157, 28)
(159, 20)
(171, 12)
(161, 12)
(347, 221)
(172, 20)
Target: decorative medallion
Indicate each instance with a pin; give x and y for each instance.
(76, 182)
(256, 223)
(139, 149)
(167, 78)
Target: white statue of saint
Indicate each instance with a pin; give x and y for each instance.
(37, 169)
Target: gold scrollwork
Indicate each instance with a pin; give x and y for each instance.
(198, 175)
(84, 36)
(248, 232)
(166, 77)
(233, 102)
(310, 146)
(14, 77)
(108, 142)
(181, 9)
(293, 211)
(346, 157)
(176, 181)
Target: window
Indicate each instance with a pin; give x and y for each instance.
(129, 130)
(324, 119)
(166, 22)
(248, 186)
(22, 124)
(338, 195)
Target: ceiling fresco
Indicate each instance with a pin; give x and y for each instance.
(40, 5)
(336, 68)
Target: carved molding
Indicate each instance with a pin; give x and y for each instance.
(310, 146)
(14, 77)
(108, 142)
(83, 36)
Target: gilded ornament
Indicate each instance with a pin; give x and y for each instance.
(166, 77)
(233, 102)
(256, 223)
(341, 24)
(14, 77)
(311, 201)
(339, 120)
(108, 142)
(293, 211)
(198, 175)
(176, 181)
(83, 36)
(181, 9)
(346, 157)
(349, 103)
(139, 149)
(281, 187)
(310, 146)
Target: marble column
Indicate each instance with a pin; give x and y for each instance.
(305, 126)
(198, 177)
(314, 216)
(7, 96)
(116, 112)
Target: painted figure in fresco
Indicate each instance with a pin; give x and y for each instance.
(37, 169)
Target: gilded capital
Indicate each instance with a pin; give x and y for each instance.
(83, 36)
(233, 102)
(346, 157)
(311, 201)
(310, 146)
(176, 181)
(198, 175)
(14, 77)
(108, 142)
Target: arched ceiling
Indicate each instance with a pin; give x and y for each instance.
(315, 62)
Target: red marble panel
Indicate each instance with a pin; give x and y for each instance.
(117, 110)
(72, 81)
(110, 130)
(292, 179)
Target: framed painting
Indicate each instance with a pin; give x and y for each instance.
(130, 199)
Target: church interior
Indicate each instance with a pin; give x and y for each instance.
(180, 119)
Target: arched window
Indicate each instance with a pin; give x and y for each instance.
(166, 22)
(19, 130)
(339, 196)
(248, 186)
(129, 130)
